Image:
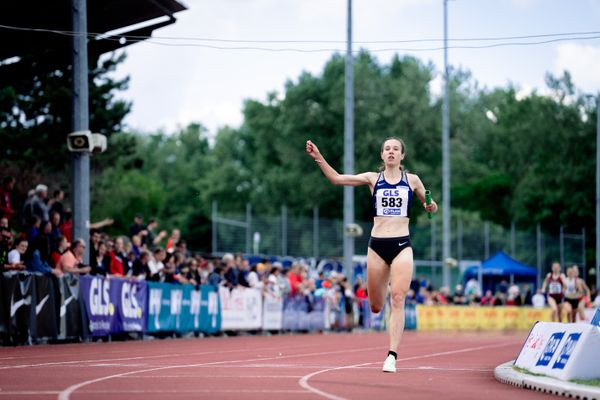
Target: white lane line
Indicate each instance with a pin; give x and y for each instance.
(213, 376)
(76, 362)
(65, 394)
(150, 391)
(303, 382)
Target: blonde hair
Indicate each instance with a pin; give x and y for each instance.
(382, 166)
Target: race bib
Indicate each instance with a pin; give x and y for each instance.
(554, 288)
(392, 202)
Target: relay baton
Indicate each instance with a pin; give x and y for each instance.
(428, 201)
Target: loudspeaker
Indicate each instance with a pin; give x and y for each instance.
(80, 141)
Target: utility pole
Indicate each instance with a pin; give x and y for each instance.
(348, 146)
(446, 159)
(80, 162)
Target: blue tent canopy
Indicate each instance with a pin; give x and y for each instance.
(502, 266)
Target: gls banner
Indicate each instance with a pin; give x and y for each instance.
(183, 308)
(113, 305)
(563, 351)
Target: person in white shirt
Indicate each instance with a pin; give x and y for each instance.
(538, 300)
(15, 256)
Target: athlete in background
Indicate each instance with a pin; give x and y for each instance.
(554, 286)
(390, 255)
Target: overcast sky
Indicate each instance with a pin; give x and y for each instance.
(173, 83)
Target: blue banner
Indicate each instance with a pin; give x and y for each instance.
(128, 298)
(183, 308)
(113, 305)
(596, 318)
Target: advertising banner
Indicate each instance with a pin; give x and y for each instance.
(128, 302)
(113, 305)
(241, 308)
(182, 308)
(564, 351)
(479, 318)
(210, 309)
(46, 321)
(70, 311)
(19, 288)
(272, 312)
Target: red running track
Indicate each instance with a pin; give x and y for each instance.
(330, 366)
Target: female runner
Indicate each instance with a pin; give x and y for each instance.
(389, 256)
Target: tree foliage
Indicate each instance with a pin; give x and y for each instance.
(517, 158)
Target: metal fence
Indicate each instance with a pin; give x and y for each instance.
(472, 240)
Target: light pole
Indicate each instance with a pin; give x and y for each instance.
(446, 158)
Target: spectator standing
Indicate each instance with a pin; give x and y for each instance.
(43, 243)
(136, 245)
(66, 229)
(137, 226)
(151, 239)
(295, 279)
(514, 296)
(6, 209)
(38, 203)
(538, 300)
(173, 239)
(55, 219)
(34, 228)
(459, 298)
(95, 239)
(55, 204)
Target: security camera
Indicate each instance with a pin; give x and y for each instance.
(353, 230)
(98, 143)
(80, 141)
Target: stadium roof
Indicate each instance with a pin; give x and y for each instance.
(25, 27)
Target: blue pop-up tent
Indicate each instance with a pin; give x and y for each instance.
(502, 267)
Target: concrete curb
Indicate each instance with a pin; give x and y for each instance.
(506, 374)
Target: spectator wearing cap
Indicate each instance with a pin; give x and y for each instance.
(6, 209)
(137, 226)
(38, 203)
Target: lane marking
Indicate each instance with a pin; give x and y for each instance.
(66, 393)
(130, 358)
(303, 382)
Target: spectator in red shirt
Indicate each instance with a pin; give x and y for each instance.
(295, 279)
(61, 245)
(6, 210)
(66, 229)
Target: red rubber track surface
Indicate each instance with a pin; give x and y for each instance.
(331, 366)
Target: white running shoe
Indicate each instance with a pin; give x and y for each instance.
(390, 364)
